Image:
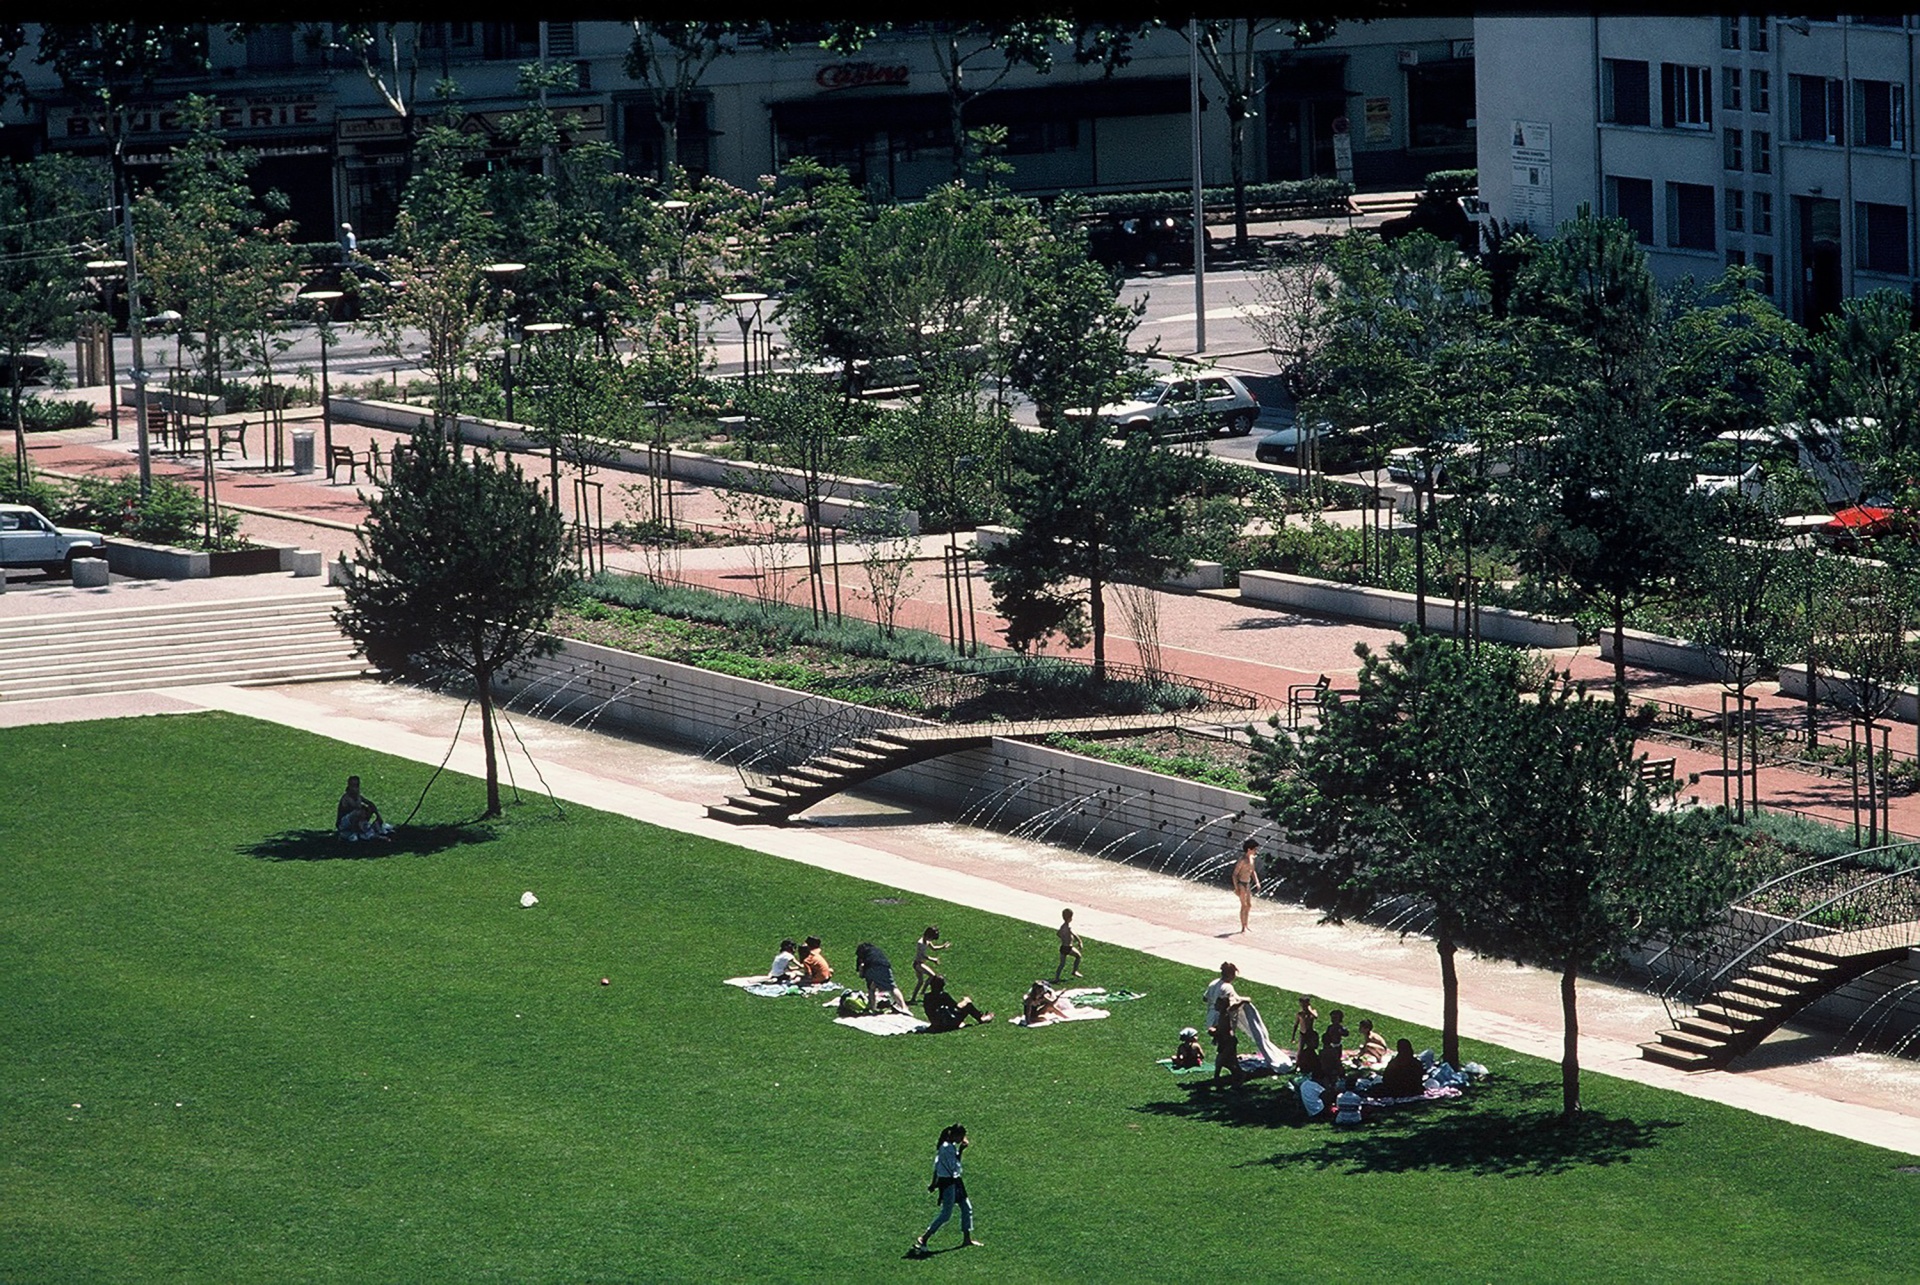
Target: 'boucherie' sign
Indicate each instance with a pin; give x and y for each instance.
(859, 75)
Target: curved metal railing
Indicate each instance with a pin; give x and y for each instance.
(1753, 928)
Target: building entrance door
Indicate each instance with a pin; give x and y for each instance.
(1819, 243)
(1300, 137)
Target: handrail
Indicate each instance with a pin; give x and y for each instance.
(1737, 950)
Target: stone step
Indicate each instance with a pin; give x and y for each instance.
(1742, 1020)
(1693, 1041)
(165, 654)
(1668, 1055)
(309, 670)
(148, 614)
(131, 632)
(1707, 1028)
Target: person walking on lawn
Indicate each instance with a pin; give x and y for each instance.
(950, 1187)
(1069, 946)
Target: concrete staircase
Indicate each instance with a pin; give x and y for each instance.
(127, 649)
(1745, 1010)
(1384, 205)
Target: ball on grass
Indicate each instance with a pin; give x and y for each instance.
(606, 981)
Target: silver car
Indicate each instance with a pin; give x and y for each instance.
(1211, 403)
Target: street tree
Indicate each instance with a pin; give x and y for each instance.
(1373, 790)
(670, 59)
(51, 208)
(435, 306)
(808, 426)
(1584, 858)
(388, 55)
(1733, 362)
(461, 565)
(1866, 372)
(1863, 616)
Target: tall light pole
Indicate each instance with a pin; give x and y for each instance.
(502, 274)
(1199, 202)
(746, 310)
(544, 328)
(109, 271)
(325, 300)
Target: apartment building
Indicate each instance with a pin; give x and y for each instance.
(1776, 141)
(1399, 91)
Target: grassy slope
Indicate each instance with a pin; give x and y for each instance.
(383, 1068)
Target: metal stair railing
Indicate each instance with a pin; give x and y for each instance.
(1730, 950)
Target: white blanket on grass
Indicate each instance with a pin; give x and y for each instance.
(885, 1024)
(1073, 1012)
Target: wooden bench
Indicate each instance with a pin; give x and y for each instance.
(339, 457)
(232, 435)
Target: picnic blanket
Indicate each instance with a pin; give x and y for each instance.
(1205, 1068)
(885, 1024)
(1434, 1093)
(1100, 995)
(1074, 1013)
(766, 986)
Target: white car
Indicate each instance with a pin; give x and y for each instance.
(1171, 403)
(27, 539)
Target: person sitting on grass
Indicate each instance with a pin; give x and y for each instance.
(1043, 1002)
(1373, 1045)
(1346, 1107)
(944, 1012)
(786, 965)
(813, 961)
(1405, 1076)
(357, 817)
(1188, 1052)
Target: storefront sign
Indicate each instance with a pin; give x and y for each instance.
(860, 75)
(1463, 49)
(372, 127)
(1379, 114)
(249, 113)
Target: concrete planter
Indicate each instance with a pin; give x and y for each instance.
(1837, 688)
(146, 561)
(1204, 575)
(1392, 607)
(1671, 655)
(848, 499)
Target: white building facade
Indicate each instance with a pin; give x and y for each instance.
(1781, 142)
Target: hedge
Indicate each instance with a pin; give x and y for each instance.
(1310, 194)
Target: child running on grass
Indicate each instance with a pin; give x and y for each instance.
(1069, 946)
(924, 959)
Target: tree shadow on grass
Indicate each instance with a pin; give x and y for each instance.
(326, 845)
(1512, 1130)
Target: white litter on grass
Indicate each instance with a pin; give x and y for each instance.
(528, 899)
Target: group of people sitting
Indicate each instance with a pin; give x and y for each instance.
(802, 965)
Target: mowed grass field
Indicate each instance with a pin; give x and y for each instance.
(233, 1050)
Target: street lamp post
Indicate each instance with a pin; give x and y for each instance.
(325, 299)
(746, 310)
(109, 271)
(544, 328)
(502, 274)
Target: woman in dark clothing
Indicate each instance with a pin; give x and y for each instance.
(944, 1013)
(877, 971)
(1404, 1077)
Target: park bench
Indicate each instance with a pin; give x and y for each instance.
(342, 457)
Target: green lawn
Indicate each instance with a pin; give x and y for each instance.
(299, 1061)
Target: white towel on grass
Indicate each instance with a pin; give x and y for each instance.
(1074, 1013)
(885, 1024)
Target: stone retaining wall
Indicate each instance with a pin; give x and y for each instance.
(850, 498)
(1393, 607)
(1673, 655)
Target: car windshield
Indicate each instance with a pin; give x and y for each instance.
(1149, 392)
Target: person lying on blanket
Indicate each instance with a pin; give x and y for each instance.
(1043, 1002)
(1188, 1052)
(944, 1013)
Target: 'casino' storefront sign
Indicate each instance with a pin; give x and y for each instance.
(860, 75)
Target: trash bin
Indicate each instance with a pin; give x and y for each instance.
(303, 450)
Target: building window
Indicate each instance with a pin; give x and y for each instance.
(1631, 199)
(561, 41)
(461, 33)
(433, 35)
(1686, 96)
(1818, 110)
(1729, 33)
(270, 47)
(1880, 114)
(1736, 205)
(1762, 152)
(1626, 99)
(1880, 235)
(1736, 258)
(1757, 33)
(1762, 82)
(1730, 88)
(1733, 149)
(1763, 214)
(1764, 262)
(1690, 216)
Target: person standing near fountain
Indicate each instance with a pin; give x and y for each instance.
(1246, 880)
(1069, 946)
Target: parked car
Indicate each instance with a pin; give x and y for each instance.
(1142, 240)
(27, 539)
(1185, 403)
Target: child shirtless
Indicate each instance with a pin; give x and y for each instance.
(1069, 946)
(924, 960)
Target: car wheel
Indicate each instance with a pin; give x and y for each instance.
(1240, 424)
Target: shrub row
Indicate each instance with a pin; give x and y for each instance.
(1309, 195)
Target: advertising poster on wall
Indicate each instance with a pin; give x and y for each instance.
(1532, 155)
